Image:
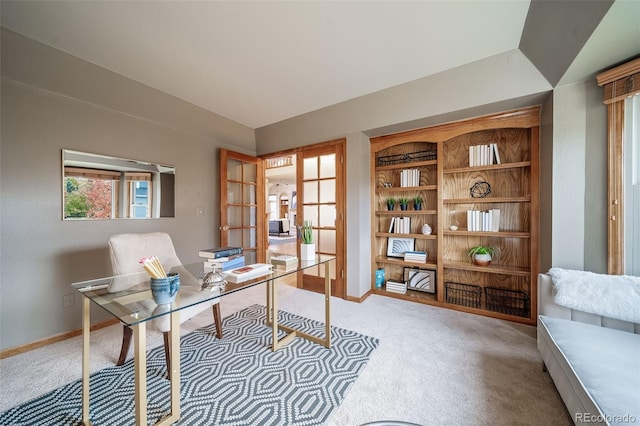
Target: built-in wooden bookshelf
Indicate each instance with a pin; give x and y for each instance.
(507, 287)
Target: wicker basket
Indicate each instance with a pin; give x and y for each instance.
(463, 294)
(410, 157)
(511, 302)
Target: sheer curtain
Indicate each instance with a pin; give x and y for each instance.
(631, 155)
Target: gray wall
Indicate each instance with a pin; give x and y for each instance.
(52, 101)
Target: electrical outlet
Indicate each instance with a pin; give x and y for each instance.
(199, 211)
(67, 301)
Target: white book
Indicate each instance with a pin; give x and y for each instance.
(495, 220)
(248, 272)
(495, 151)
(391, 225)
(471, 163)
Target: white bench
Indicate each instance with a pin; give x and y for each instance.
(594, 361)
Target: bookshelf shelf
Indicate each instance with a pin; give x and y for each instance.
(489, 167)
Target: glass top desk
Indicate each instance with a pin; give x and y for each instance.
(128, 298)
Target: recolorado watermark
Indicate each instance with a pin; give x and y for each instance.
(598, 418)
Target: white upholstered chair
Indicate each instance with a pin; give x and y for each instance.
(126, 250)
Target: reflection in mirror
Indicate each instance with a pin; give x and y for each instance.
(102, 187)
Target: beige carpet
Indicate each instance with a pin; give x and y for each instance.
(433, 366)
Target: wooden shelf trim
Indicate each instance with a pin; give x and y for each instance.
(491, 269)
(407, 188)
(408, 165)
(488, 200)
(399, 261)
(505, 234)
(489, 167)
(404, 212)
(417, 236)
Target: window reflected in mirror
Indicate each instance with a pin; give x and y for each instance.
(98, 187)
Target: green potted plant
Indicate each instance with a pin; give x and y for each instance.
(404, 202)
(391, 203)
(417, 203)
(307, 246)
(482, 255)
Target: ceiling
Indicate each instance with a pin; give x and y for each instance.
(259, 63)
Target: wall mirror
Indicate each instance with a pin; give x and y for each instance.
(98, 187)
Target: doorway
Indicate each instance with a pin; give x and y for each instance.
(312, 180)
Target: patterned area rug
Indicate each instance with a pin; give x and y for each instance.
(237, 380)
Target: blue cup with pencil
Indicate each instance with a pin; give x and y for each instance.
(164, 287)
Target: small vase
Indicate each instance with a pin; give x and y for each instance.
(390, 206)
(307, 251)
(482, 259)
(379, 277)
(403, 206)
(417, 206)
(426, 229)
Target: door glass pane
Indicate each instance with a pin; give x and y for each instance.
(249, 237)
(327, 166)
(249, 194)
(249, 216)
(235, 237)
(234, 170)
(327, 216)
(250, 172)
(250, 257)
(234, 216)
(311, 192)
(311, 213)
(234, 193)
(328, 191)
(327, 241)
(310, 168)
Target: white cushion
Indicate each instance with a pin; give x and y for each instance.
(596, 369)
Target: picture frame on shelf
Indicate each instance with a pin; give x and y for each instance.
(396, 247)
(420, 279)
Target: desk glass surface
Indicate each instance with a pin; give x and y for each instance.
(128, 297)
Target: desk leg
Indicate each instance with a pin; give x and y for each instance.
(273, 312)
(86, 331)
(272, 316)
(174, 375)
(327, 305)
(269, 302)
(140, 367)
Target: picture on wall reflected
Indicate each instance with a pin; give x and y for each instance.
(294, 199)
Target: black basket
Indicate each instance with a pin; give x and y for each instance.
(463, 294)
(511, 302)
(410, 157)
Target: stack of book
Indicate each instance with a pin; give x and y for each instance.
(396, 287)
(483, 221)
(400, 225)
(223, 258)
(409, 177)
(218, 252)
(415, 256)
(284, 261)
(225, 263)
(484, 155)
